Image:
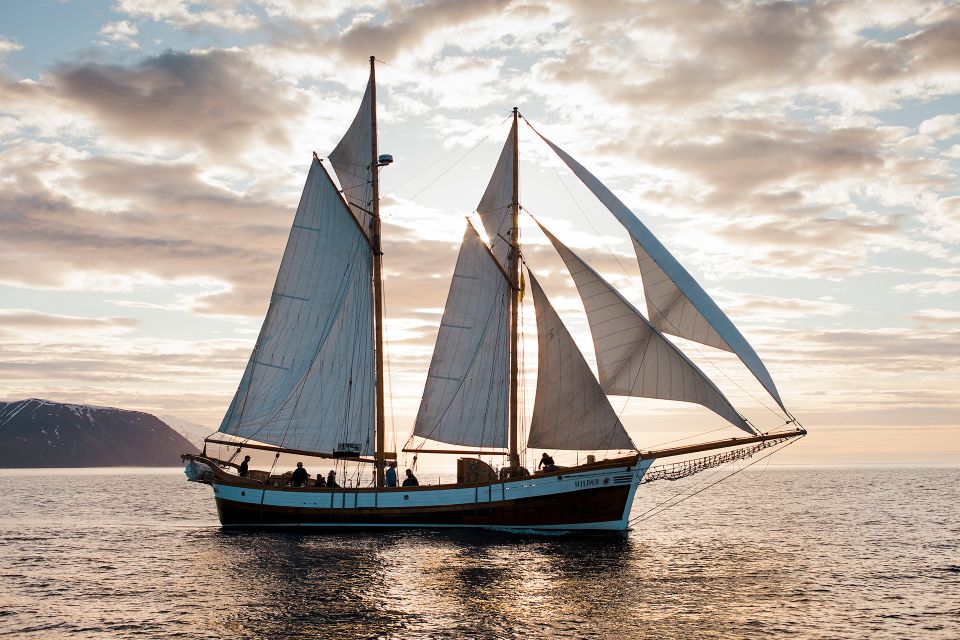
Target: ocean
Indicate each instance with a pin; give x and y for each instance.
(801, 552)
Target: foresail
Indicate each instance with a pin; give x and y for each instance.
(633, 357)
(465, 398)
(495, 206)
(351, 159)
(309, 383)
(681, 306)
(571, 411)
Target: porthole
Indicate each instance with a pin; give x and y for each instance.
(559, 477)
(243, 493)
(406, 497)
(606, 481)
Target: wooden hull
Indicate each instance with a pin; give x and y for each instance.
(594, 497)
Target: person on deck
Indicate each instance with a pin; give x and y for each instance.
(411, 480)
(332, 479)
(320, 482)
(300, 476)
(391, 475)
(244, 468)
(547, 463)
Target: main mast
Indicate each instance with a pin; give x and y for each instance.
(380, 432)
(514, 299)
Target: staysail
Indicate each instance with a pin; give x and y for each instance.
(496, 205)
(571, 411)
(633, 357)
(466, 395)
(309, 383)
(678, 304)
(351, 161)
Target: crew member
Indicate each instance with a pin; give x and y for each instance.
(320, 482)
(547, 463)
(332, 479)
(300, 476)
(244, 468)
(391, 475)
(411, 480)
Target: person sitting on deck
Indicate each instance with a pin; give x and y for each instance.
(244, 468)
(411, 480)
(391, 475)
(320, 482)
(332, 479)
(299, 477)
(547, 463)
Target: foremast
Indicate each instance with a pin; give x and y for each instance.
(514, 301)
(377, 255)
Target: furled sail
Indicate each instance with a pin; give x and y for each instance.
(571, 411)
(309, 383)
(465, 398)
(495, 206)
(633, 357)
(351, 160)
(678, 304)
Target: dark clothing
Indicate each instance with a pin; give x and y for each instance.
(320, 482)
(244, 469)
(332, 480)
(299, 477)
(411, 481)
(391, 477)
(546, 462)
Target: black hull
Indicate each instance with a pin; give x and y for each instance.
(573, 510)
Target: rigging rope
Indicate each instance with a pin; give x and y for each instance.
(657, 510)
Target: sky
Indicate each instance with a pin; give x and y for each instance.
(799, 158)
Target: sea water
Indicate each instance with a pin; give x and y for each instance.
(797, 552)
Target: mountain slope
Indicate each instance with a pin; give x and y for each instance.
(192, 431)
(40, 433)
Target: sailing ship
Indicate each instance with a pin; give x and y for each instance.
(314, 382)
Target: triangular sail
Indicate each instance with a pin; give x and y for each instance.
(309, 383)
(351, 159)
(687, 310)
(465, 398)
(633, 357)
(495, 206)
(570, 412)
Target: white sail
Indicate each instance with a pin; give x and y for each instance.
(571, 411)
(309, 383)
(465, 398)
(687, 310)
(496, 205)
(633, 357)
(351, 159)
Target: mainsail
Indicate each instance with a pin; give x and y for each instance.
(465, 398)
(496, 205)
(309, 383)
(633, 357)
(351, 161)
(677, 303)
(571, 411)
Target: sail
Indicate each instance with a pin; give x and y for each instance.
(496, 205)
(633, 357)
(309, 383)
(570, 411)
(465, 398)
(351, 159)
(681, 306)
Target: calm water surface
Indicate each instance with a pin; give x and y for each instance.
(801, 552)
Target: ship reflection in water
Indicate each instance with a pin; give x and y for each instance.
(825, 553)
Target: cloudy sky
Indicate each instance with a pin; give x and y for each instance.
(800, 159)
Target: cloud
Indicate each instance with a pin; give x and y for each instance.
(219, 100)
(223, 14)
(121, 32)
(8, 46)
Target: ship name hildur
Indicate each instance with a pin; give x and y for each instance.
(314, 383)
